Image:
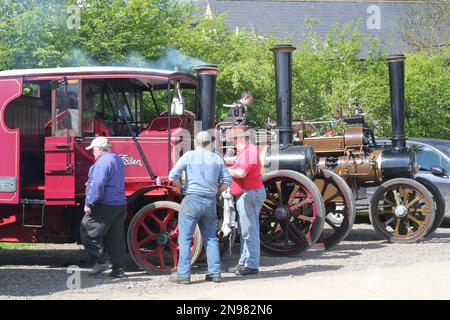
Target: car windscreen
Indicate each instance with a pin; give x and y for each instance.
(444, 148)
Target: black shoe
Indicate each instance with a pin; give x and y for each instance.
(117, 273)
(217, 278)
(246, 271)
(99, 268)
(236, 268)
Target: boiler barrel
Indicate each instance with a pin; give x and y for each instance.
(301, 159)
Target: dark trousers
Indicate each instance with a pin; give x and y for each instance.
(103, 232)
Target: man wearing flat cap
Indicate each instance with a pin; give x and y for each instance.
(102, 227)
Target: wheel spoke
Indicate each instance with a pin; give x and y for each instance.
(297, 234)
(306, 218)
(151, 253)
(157, 220)
(174, 248)
(272, 198)
(300, 204)
(267, 206)
(168, 217)
(280, 196)
(147, 230)
(389, 221)
(174, 233)
(391, 204)
(404, 195)
(397, 226)
(410, 217)
(161, 259)
(145, 240)
(286, 232)
(397, 197)
(293, 194)
(324, 187)
(413, 201)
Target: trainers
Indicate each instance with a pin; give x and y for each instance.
(217, 278)
(179, 279)
(246, 271)
(99, 268)
(236, 268)
(118, 272)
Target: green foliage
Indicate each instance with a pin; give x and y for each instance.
(326, 74)
(427, 95)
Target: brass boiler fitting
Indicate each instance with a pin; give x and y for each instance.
(356, 166)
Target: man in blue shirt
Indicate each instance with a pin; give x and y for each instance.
(102, 227)
(206, 176)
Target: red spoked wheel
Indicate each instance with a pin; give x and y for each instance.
(292, 217)
(153, 237)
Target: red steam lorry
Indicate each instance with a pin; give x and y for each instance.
(49, 116)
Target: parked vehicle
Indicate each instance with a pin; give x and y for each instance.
(401, 208)
(49, 116)
(433, 161)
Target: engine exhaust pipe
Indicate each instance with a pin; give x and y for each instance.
(397, 90)
(283, 84)
(206, 95)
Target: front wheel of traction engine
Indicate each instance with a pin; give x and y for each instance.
(292, 216)
(402, 210)
(153, 237)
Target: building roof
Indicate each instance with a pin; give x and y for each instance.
(286, 19)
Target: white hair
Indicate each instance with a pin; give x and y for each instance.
(203, 139)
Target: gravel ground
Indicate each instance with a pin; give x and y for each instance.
(362, 267)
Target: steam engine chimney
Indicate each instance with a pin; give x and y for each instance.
(397, 88)
(206, 100)
(283, 83)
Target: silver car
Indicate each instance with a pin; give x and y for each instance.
(433, 158)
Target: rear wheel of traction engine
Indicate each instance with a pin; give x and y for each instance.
(339, 207)
(439, 203)
(402, 210)
(292, 216)
(153, 237)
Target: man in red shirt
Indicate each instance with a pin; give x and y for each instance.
(249, 192)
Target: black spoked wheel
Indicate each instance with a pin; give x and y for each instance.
(292, 217)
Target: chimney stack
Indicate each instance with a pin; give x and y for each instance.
(206, 95)
(397, 90)
(283, 84)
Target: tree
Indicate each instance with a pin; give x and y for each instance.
(426, 26)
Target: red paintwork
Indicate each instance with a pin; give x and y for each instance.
(66, 162)
(10, 159)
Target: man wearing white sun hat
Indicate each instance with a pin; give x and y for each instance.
(102, 227)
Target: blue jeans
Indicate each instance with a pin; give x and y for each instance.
(249, 205)
(202, 211)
